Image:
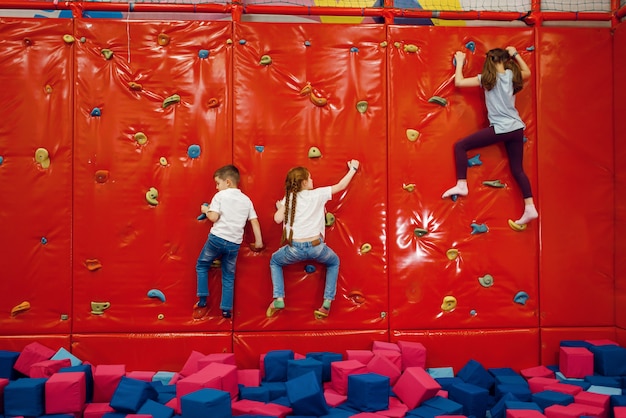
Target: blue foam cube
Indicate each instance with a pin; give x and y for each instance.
(521, 392)
(527, 406)
(156, 409)
(85, 368)
(7, 361)
(424, 411)
(25, 397)
(260, 393)
(326, 357)
(440, 372)
(206, 402)
(130, 394)
(163, 377)
(447, 382)
(306, 396)
(609, 360)
(498, 410)
(610, 381)
(62, 354)
(276, 389)
(165, 393)
(473, 398)
(275, 364)
(368, 392)
(445, 405)
(297, 368)
(502, 371)
(575, 343)
(473, 372)
(516, 379)
(548, 398)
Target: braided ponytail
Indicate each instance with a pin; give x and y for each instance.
(293, 184)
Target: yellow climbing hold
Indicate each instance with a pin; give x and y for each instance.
(452, 253)
(449, 303)
(22, 307)
(141, 138)
(68, 39)
(314, 152)
(42, 157)
(266, 60)
(366, 248)
(163, 39)
(412, 135)
(408, 187)
(516, 227)
(174, 98)
(152, 195)
(107, 53)
(330, 219)
(163, 161)
(410, 48)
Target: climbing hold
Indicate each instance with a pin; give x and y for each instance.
(366, 248)
(163, 39)
(314, 152)
(306, 89)
(203, 215)
(475, 160)
(473, 312)
(438, 100)
(213, 102)
(152, 196)
(216, 264)
(412, 135)
(454, 197)
(309, 268)
(107, 53)
(521, 298)
(357, 297)
(494, 183)
(27, 42)
(44, 240)
(102, 176)
(410, 48)
(516, 227)
(65, 317)
(479, 228)
(452, 254)
(471, 45)
(193, 151)
(42, 157)
(135, 86)
(486, 280)
(361, 106)
(83, 39)
(156, 294)
(330, 219)
(1, 159)
(307, 43)
(22, 307)
(160, 317)
(229, 41)
(163, 161)
(259, 148)
(383, 44)
(68, 39)
(354, 49)
(174, 98)
(530, 48)
(93, 264)
(48, 89)
(242, 42)
(408, 187)
(98, 308)
(397, 44)
(265, 60)
(141, 138)
(420, 232)
(203, 53)
(96, 112)
(318, 101)
(449, 303)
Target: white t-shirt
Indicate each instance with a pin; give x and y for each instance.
(235, 209)
(310, 218)
(500, 101)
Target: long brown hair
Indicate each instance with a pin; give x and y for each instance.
(490, 72)
(293, 184)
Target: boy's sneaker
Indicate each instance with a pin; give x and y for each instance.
(227, 314)
(274, 307)
(200, 312)
(321, 313)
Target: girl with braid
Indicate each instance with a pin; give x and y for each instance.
(301, 212)
(502, 78)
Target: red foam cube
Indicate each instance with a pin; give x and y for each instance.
(31, 354)
(47, 368)
(97, 410)
(413, 354)
(538, 384)
(575, 362)
(415, 386)
(380, 364)
(537, 371)
(249, 377)
(191, 364)
(66, 393)
(599, 400)
(564, 388)
(364, 356)
(524, 413)
(106, 377)
(339, 372)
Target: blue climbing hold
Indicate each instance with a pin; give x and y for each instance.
(521, 298)
(473, 312)
(44, 240)
(530, 48)
(1, 159)
(203, 215)
(242, 42)
(479, 228)
(525, 140)
(193, 151)
(454, 197)
(307, 43)
(96, 111)
(309, 268)
(259, 148)
(354, 49)
(156, 294)
(203, 53)
(471, 46)
(475, 160)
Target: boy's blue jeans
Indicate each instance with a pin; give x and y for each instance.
(213, 248)
(301, 251)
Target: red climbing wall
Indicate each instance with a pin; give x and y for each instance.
(619, 109)
(106, 242)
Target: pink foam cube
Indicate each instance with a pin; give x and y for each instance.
(225, 358)
(398, 410)
(145, 376)
(383, 345)
(380, 364)
(538, 384)
(196, 382)
(394, 356)
(415, 386)
(106, 377)
(191, 364)
(174, 403)
(524, 413)
(572, 410)
(619, 411)
(245, 406)
(138, 416)
(334, 399)
(364, 356)
(31, 354)
(339, 372)
(413, 354)
(3, 383)
(249, 377)
(575, 362)
(599, 400)
(272, 409)
(66, 393)
(537, 371)
(227, 373)
(368, 415)
(97, 410)
(442, 394)
(564, 388)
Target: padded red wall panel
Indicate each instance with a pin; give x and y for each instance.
(274, 128)
(35, 208)
(619, 109)
(141, 246)
(421, 274)
(576, 194)
(551, 339)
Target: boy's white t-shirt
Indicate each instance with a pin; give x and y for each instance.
(232, 221)
(310, 218)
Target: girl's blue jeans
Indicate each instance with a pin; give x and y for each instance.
(301, 251)
(216, 247)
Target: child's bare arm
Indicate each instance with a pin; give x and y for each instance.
(353, 166)
(256, 229)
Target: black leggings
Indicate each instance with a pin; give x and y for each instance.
(514, 144)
